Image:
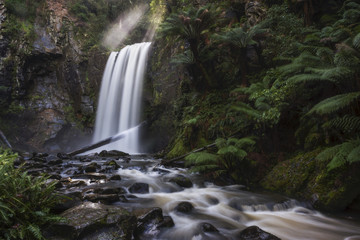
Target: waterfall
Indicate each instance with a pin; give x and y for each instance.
(120, 97)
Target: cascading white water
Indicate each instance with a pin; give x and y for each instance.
(120, 97)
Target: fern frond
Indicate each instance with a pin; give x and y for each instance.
(201, 158)
(183, 58)
(35, 230)
(228, 150)
(300, 78)
(335, 103)
(354, 155)
(246, 109)
(356, 42)
(347, 123)
(329, 153)
(341, 154)
(245, 142)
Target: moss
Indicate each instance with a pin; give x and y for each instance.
(178, 149)
(305, 177)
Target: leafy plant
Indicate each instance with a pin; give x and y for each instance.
(25, 201)
(345, 153)
(230, 158)
(192, 26)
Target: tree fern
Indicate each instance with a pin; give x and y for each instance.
(347, 124)
(335, 103)
(201, 158)
(247, 109)
(354, 155)
(356, 42)
(341, 154)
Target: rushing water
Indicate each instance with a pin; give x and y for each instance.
(120, 97)
(230, 209)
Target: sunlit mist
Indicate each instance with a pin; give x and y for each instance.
(118, 32)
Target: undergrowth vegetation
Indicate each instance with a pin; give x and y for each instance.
(25, 201)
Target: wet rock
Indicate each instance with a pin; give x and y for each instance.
(103, 198)
(167, 222)
(139, 188)
(92, 220)
(207, 227)
(256, 233)
(55, 176)
(58, 185)
(75, 183)
(55, 162)
(182, 181)
(67, 201)
(113, 164)
(115, 178)
(184, 207)
(63, 156)
(91, 176)
(112, 153)
(91, 168)
(150, 221)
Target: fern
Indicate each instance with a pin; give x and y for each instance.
(201, 158)
(35, 230)
(246, 109)
(356, 42)
(341, 154)
(335, 103)
(347, 123)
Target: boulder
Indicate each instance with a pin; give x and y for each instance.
(256, 233)
(184, 207)
(139, 188)
(103, 198)
(182, 181)
(113, 164)
(207, 227)
(115, 178)
(93, 221)
(67, 201)
(91, 168)
(150, 221)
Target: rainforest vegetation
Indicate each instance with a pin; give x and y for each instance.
(269, 89)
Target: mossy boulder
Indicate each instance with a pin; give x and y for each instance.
(305, 177)
(92, 220)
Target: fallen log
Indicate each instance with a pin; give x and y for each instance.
(105, 141)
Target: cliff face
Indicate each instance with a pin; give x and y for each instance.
(48, 83)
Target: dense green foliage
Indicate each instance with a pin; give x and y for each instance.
(25, 201)
(301, 93)
(231, 158)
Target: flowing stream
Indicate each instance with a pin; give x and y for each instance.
(230, 209)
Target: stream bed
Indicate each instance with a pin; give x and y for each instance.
(196, 209)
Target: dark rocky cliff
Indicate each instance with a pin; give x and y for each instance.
(48, 83)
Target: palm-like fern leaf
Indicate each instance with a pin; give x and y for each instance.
(246, 109)
(341, 154)
(347, 123)
(335, 103)
(356, 42)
